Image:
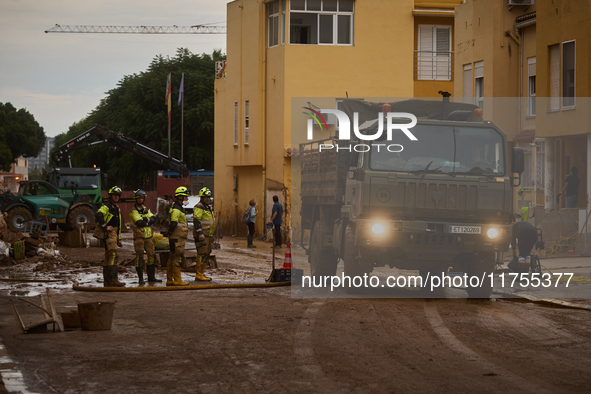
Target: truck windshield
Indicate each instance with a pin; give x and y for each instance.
(445, 149)
(80, 181)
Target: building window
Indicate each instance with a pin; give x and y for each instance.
(324, 22)
(531, 87)
(554, 76)
(246, 120)
(434, 53)
(235, 123)
(479, 84)
(568, 74)
(468, 83)
(273, 25)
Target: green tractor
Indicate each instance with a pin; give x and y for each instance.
(42, 201)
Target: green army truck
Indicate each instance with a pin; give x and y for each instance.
(444, 200)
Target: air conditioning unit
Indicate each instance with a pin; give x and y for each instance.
(520, 2)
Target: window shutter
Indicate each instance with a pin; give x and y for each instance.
(479, 70)
(425, 54)
(531, 66)
(467, 83)
(235, 122)
(443, 56)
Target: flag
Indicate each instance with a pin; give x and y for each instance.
(168, 96)
(182, 89)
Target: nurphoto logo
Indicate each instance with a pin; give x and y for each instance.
(344, 132)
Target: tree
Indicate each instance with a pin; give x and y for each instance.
(20, 135)
(136, 108)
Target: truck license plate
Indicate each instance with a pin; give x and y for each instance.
(465, 229)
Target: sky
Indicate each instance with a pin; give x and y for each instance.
(60, 78)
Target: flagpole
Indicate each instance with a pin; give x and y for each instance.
(168, 100)
(182, 116)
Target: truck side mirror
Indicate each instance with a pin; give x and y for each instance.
(518, 161)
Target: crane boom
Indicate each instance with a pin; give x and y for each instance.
(197, 29)
(61, 156)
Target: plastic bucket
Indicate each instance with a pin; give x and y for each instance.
(96, 316)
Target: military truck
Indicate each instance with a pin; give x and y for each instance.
(442, 201)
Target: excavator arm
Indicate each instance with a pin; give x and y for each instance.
(61, 156)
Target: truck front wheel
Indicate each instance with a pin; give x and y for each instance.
(481, 265)
(323, 261)
(17, 218)
(353, 262)
(80, 216)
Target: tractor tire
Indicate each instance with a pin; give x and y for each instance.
(79, 216)
(323, 261)
(17, 217)
(481, 264)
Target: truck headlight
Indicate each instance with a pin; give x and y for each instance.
(492, 233)
(378, 229)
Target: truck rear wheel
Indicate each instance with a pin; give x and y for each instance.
(80, 216)
(323, 261)
(480, 264)
(17, 218)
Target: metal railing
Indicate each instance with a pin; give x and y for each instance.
(433, 66)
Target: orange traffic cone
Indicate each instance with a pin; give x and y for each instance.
(287, 261)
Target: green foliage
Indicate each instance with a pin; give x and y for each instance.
(136, 108)
(20, 135)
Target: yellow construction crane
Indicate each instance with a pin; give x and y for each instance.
(197, 29)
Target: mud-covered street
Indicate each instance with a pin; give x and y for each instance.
(265, 340)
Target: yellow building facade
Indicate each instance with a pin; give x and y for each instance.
(285, 49)
(527, 62)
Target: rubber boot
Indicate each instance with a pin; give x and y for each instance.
(200, 271)
(106, 276)
(169, 274)
(249, 240)
(152, 272)
(114, 277)
(178, 281)
(140, 274)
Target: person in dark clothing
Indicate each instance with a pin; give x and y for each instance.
(572, 188)
(277, 220)
(524, 236)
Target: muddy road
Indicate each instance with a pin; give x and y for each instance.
(263, 340)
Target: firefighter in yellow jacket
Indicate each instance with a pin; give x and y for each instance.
(108, 218)
(141, 220)
(178, 232)
(203, 228)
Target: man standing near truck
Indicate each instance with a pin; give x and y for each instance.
(277, 220)
(108, 218)
(203, 227)
(141, 220)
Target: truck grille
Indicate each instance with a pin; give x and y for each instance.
(438, 196)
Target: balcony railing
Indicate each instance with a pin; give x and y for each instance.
(433, 66)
